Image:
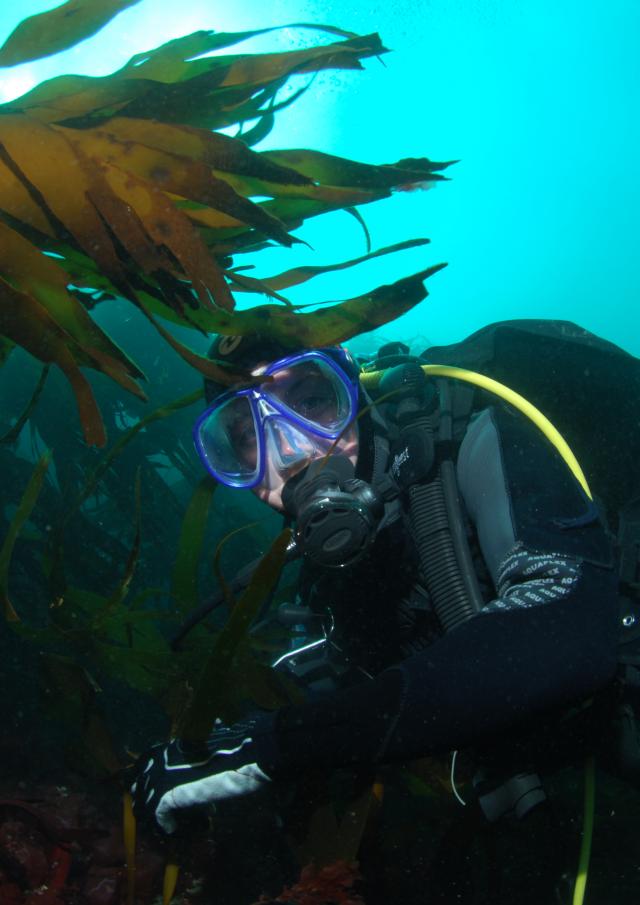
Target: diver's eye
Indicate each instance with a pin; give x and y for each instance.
(246, 440)
(243, 438)
(312, 398)
(313, 406)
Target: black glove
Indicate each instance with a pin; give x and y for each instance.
(173, 776)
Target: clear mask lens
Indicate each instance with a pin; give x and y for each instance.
(228, 440)
(299, 408)
(313, 392)
(287, 445)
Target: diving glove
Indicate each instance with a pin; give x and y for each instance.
(174, 776)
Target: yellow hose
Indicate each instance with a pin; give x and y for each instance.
(370, 380)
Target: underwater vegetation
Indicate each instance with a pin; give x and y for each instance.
(121, 193)
(121, 186)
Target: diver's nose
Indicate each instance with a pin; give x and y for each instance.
(293, 443)
(286, 444)
(286, 447)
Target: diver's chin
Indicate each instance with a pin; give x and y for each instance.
(272, 497)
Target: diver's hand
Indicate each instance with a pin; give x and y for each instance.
(173, 777)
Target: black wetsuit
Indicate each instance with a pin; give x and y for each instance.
(545, 639)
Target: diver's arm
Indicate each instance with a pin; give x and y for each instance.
(546, 640)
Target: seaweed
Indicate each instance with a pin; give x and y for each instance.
(119, 186)
(185, 570)
(58, 29)
(117, 193)
(27, 503)
(229, 659)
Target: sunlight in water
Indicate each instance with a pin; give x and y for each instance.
(12, 86)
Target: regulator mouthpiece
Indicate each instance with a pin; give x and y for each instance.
(336, 514)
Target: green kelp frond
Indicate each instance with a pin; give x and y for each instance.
(117, 186)
(22, 513)
(14, 432)
(229, 660)
(71, 696)
(184, 580)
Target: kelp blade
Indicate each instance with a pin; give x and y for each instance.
(208, 697)
(171, 202)
(184, 579)
(58, 29)
(22, 513)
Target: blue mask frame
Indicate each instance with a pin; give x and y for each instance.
(261, 392)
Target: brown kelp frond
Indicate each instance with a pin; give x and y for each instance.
(327, 169)
(116, 186)
(118, 595)
(177, 83)
(58, 29)
(106, 461)
(301, 274)
(71, 696)
(340, 320)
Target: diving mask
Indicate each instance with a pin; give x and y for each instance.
(301, 405)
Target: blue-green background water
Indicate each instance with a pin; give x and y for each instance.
(538, 100)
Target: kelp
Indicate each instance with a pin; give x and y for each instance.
(28, 501)
(71, 695)
(117, 186)
(169, 882)
(117, 633)
(106, 461)
(14, 432)
(334, 838)
(211, 696)
(217, 571)
(184, 579)
(118, 595)
(91, 481)
(129, 838)
(59, 28)
(298, 275)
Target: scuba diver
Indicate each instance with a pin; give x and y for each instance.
(461, 573)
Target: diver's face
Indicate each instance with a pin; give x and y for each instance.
(275, 478)
(289, 447)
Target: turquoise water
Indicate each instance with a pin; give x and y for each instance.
(538, 101)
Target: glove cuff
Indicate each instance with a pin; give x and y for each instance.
(251, 740)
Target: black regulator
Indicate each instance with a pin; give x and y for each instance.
(336, 514)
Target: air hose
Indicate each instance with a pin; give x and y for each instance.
(371, 379)
(438, 533)
(457, 612)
